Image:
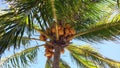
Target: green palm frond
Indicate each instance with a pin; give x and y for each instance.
(118, 2)
(24, 41)
(63, 64)
(102, 30)
(48, 64)
(77, 11)
(87, 54)
(39, 11)
(14, 27)
(21, 59)
(81, 62)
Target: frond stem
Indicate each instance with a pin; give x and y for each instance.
(55, 19)
(103, 26)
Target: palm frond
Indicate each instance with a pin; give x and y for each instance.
(118, 3)
(55, 18)
(63, 64)
(82, 61)
(48, 64)
(24, 41)
(89, 55)
(13, 29)
(39, 11)
(107, 30)
(77, 11)
(21, 59)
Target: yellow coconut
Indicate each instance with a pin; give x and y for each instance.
(47, 54)
(53, 30)
(61, 32)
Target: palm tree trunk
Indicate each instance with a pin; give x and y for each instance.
(56, 57)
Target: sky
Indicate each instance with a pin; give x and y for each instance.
(2, 6)
(106, 48)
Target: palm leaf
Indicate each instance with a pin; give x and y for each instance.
(63, 64)
(77, 11)
(48, 64)
(101, 31)
(13, 29)
(88, 53)
(118, 3)
(81, 61)
(21, 59)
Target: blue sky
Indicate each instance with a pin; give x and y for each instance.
(107, 48)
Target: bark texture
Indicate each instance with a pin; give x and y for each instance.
(56, 57)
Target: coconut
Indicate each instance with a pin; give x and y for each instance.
(50, 49)
(53, 30)
(59, 27)
(72, 31)
(47, 54)
(68, 26)
(61, 32)
(43, 38)
(67, 31)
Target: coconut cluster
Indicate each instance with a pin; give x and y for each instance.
(49, 51)
(64, 32)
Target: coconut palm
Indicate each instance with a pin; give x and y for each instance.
(58, 22)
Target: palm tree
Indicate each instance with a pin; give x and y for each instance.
(58, 22)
